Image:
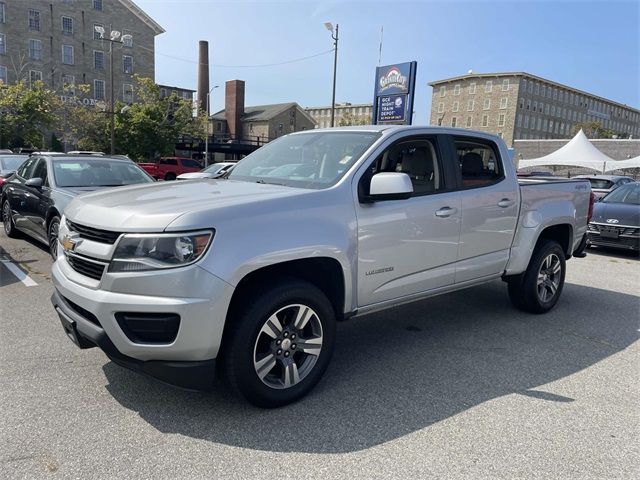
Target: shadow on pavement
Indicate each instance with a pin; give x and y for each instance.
(397, 372)
(613, 252)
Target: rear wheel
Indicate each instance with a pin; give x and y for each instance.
(278, 347)
(7, 220)
(52, 235)
(538, 289)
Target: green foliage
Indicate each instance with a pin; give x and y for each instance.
(348, 119)
(26, 113)
(593, 129)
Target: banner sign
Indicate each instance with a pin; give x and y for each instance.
(393, 93)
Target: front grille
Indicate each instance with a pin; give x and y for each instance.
(622, 230)
(85, 267)
(86, 314)
(95, 234)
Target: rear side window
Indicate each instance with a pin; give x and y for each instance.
(478, 161)
(600, 183)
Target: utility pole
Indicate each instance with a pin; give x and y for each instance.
(334, 36)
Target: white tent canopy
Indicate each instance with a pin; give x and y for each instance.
(578, 152)
(623, 164)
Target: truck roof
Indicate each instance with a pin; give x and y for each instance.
(388, 129)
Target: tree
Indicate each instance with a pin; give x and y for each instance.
(348, 119)
(27, 113)
(151, 126)
(593, 129)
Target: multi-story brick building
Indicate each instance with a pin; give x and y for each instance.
(345, 114)
(517, 105)
(57, 42)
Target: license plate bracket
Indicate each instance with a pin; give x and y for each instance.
(610, 233)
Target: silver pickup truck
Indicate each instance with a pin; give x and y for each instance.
(249, 274)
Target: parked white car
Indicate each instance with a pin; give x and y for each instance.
(212, 171)
(250, 274)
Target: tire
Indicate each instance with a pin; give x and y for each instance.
(52, 236)
(538, 289)
(256, 343)
(7, 221)
(170, 176)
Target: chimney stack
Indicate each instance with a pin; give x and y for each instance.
(203, 75)
(234, 106)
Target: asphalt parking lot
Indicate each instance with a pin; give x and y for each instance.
(459, 386)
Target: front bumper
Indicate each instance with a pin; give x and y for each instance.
(622, 242)
(194, 375)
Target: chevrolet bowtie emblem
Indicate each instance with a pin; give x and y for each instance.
(69, 243)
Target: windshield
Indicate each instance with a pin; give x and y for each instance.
(629, 193)
(11, 162)
(97, 172)
(601, 183)
(309, 160)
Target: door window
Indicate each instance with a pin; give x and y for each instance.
(26, 170)
(478, 161)
(190, 163)
(418, 158)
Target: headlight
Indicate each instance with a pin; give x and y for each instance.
(139, 252)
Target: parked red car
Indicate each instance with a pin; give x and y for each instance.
(168, 168)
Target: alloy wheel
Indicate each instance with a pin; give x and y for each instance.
(6, 217)
(288, 346)
(53, 238)
(549, 277)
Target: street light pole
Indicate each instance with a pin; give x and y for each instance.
(206, 142)
(329, 27)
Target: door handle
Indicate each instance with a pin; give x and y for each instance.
(505, 202)
(445, 212)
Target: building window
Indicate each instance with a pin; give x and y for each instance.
(543, 90)
(96, 34)
(67, 26)
(469, 121)
(127, 38)
(530, 86)
(528, 104)
(69, 85)
(163, 92)
(544, 125)
(454, 121)
(486, 104)
(98, 60)
(553, 110)
(519, 120)
(488, 86)
(555, 94)
(34, 76)
(505, 85)
(501, 120)
(456, 106)
(3, 74)
(127, 64)
(443, 91)
(441, 107)
(526, 121)
(535, 106)
(97, 5)
(456, 89)
(67, 54)
(98, 89)
(503, 103)
(539, 123)
(35, 49)
(3, 44)
(2, 14)
(550, 126)
(127, 93)
(34, 19)
(537, 88)
(522, 103)
(485, 120)
(472, 88)
(470, 105)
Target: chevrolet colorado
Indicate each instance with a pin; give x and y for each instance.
(249, 274)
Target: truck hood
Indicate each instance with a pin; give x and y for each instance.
(152, 207)
(625, 214)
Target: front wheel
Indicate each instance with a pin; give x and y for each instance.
(278, 347)
(52, 235)
(7, 220)
(538, 289)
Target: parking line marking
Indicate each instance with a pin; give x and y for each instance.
(23, 277)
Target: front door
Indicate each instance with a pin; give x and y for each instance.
(409, 246)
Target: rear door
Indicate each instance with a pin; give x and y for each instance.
(490, 205)
(409, 246)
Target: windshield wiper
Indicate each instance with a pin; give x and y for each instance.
(271, 183)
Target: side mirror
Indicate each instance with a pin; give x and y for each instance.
(35, 182)
(390, 186)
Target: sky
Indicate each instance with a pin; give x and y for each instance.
(592, 46)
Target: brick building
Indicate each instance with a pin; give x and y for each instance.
(345, 114)
(517, 105)
(56, 42)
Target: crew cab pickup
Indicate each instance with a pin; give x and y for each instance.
(168, 168)
(248, 274)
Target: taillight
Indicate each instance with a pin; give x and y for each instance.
(2, 181)
(592, 201)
